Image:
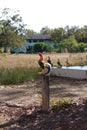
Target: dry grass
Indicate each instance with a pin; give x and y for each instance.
(72, 57)
(18, 60)
(17, 68)
(31, 60)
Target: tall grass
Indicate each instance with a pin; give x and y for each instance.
(17, 75)
(17, 68)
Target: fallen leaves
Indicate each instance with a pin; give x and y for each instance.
(72, 117)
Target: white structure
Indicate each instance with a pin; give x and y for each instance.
(76, 72)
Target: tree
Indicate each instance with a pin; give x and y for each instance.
(81, 46)
(57, 34)
(45, 30)
(85, 37)
(70, 31)
(13, 29)
(70, 44)
(29, 31)
(80, 34)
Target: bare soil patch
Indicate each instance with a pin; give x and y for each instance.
(20, 106)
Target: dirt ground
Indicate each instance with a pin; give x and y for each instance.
(18, 111)
(28, 93)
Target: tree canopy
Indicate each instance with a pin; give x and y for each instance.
(13, 33)
(12, 29)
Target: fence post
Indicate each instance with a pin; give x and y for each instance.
(45, 93)
(45, 73)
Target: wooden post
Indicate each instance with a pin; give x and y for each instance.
(45, 93)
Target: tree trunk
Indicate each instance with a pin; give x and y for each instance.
(5, 48)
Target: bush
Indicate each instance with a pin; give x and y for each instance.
(42, 47)
(81, 47)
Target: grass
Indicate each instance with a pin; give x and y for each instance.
(31, 60)
(17, 75)
(17, 68)
(61, 103)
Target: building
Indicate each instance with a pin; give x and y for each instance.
(38, 38)
(32, 39)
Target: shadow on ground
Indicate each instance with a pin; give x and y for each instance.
(70, 117)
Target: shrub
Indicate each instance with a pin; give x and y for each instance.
(60, 103)
(42, 47)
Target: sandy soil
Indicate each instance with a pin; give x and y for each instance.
(30, 92)
(19, 109)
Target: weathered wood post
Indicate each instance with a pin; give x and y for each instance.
(45, 93)
(45, 73)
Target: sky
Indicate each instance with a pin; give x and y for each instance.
(51, 13)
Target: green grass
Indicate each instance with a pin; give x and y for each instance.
(60, 103)
(17, 75)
